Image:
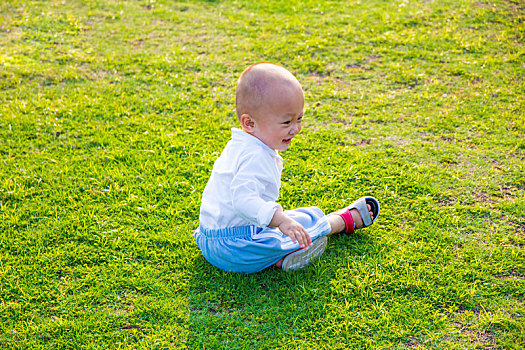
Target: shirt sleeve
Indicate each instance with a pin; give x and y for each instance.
(252, 179)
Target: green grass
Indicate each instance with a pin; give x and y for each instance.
(113, 112)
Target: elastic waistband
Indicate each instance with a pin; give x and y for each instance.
(229, 232)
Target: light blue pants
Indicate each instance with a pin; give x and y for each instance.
(249, 249)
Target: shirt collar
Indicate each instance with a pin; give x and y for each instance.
(242, 136)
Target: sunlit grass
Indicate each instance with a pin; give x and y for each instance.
(113, 112)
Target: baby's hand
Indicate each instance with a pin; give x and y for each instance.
(296, 232)
(291, 228)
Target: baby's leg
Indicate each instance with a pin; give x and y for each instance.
(337, 224)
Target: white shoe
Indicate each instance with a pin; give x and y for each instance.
(299, 259)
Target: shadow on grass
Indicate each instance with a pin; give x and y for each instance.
(268, 309)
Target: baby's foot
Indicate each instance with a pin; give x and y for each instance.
(361, 213)
(301, 258)
(358, 220)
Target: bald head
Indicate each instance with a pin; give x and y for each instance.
(260, 83)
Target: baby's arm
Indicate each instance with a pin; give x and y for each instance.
(291, 228)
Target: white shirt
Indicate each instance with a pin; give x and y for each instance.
(243, 186)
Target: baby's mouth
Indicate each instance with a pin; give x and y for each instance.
(287, 140)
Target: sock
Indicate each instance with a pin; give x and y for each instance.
(349, 221)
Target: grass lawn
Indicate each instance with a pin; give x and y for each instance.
(113, 112)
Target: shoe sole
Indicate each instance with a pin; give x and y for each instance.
(300, 259)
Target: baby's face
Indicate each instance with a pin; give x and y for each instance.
(279, 120)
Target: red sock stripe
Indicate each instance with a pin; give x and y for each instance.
(349, 221)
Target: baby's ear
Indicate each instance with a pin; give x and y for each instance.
(247, 122)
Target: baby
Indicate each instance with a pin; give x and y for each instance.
(242, 228)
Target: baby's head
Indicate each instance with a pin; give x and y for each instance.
(270, 104)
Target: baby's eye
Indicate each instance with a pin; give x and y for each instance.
(300, 119)
(286, 122)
